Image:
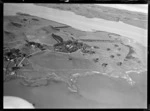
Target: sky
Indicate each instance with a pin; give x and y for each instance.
(131, 7)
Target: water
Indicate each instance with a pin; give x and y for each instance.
(143, 8)
(79, 22)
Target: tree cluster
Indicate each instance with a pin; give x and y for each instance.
(37, 45)
(68, 46)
